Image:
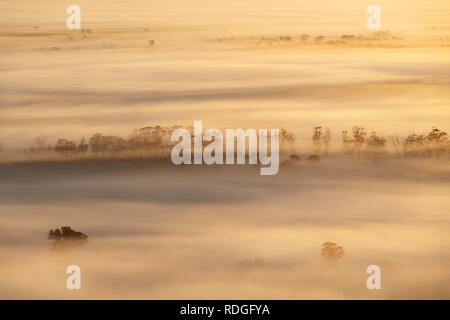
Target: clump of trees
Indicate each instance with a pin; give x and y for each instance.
(66, 233)
(375, 145)
(355, 144)
(66, 237)
(287, 140)
(435, 143)
(103, 143)
(331, 252)
(321, 141)
(359, 142)
(64, 145)
(156, 141)
(377, 39)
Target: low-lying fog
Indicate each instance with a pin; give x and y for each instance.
(161, 231)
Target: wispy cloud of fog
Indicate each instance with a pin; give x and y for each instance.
(144, 242)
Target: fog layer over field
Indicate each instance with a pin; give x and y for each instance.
(157, 231)
(223, 63)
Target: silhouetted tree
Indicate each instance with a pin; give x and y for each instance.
(316, 139)
(101, 143)
(83, 146)
(351, 146)
(65, 146)
(437, 142)
(65, 238)
(287, 140)
(414, 145)
(359, 135)
(375, 144)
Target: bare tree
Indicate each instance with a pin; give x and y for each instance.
(375, 144)
(317, 140)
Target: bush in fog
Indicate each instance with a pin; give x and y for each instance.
(83, 146)
(319, 39)
(320, 140)
(354, 145)
(101, 143)
(331, 252)
(66, 233)
(304, 37)
(376, 145)
(316, 140)
(414, 145)
(65, 146)
(66, 237)
(435, 143)
(287, 140)
(154, 138)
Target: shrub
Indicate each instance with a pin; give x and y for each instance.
(331, 252)
(65, 146)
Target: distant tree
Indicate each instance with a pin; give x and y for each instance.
(304, 37)
(287, 140)
(101, 143)
(65, 238)
(147, 137)
(359, 135)
(331, 252)
(319, 39)
(348, 37)
(354, 145)
(65, 146)
(437, 141)
(83, 146)
(286, 136)
(317, 140)
(375, 144)
(414, 145)
(156, 139)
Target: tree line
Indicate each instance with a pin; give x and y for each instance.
(356, 141)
